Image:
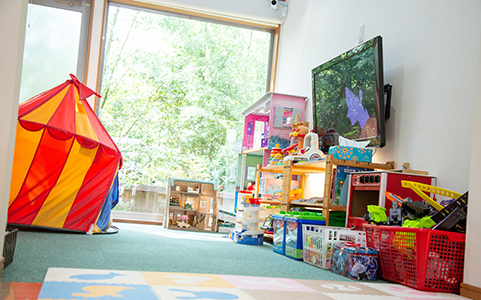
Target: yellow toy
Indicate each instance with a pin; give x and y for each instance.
(419, 188)
(295, 194)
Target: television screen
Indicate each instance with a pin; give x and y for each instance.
(348, 96)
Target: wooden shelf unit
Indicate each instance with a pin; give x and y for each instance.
(320, 166)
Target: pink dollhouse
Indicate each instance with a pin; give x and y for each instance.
(268, 122)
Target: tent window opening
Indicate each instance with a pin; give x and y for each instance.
(172, 88)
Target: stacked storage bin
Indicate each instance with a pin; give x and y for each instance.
(337, 218)
(293, 229)
(279, 235)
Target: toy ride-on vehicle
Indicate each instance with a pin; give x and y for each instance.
(310, 151)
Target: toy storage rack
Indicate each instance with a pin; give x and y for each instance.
(318, 243)
(424, 259)
(326, 166)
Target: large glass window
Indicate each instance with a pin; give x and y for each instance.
(55, 44)
(172, 91)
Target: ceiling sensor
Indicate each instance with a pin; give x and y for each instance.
(274, 4)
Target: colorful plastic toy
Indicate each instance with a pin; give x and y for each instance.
(298, 134)
(274, 157)
(451, 217)
(295, 194)
(376, 215)
(247, 228)
(310, 151)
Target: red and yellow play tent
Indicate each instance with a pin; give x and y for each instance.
(64, 163)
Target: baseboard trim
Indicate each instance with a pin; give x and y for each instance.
(470, 291)
(137, 221)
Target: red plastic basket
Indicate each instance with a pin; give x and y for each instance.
(424, 259)
(355, 223)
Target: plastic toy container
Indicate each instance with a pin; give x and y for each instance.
(355, 223)
(355, 261)
(337, 218)
(318, 243)
(424, 259)
(279, 234)
(293, 229)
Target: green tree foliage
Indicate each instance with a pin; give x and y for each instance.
(173, 87)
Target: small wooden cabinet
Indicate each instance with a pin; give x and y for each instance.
(191, 204)
(319, 166)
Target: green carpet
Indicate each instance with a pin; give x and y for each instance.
(151, 248)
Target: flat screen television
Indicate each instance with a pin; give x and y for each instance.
(348, 96)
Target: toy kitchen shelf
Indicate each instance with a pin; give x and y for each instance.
(191, 204)
(319, 166)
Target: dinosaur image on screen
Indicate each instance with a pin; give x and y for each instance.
(355, 111)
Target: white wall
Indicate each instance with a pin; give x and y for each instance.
(432, 59)
(13, 16)
(473, 263)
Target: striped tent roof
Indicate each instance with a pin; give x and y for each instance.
(64, 161)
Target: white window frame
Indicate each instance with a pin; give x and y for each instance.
(83, 6)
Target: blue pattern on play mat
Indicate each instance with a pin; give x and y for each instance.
(85, 290)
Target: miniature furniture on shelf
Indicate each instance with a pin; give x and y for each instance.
(290, 168)
(191, 202)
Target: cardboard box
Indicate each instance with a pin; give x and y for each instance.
(351, 153)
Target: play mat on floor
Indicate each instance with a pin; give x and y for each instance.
(62, 283)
